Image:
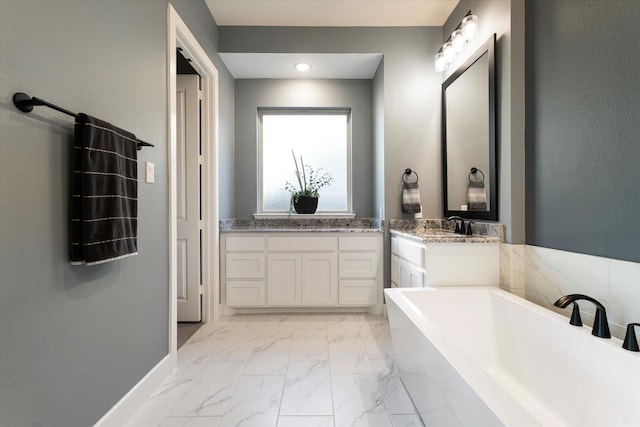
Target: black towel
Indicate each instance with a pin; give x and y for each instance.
(104, 206)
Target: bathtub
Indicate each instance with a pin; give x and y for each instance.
(483, 357)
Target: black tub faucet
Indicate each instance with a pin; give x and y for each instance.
(600, 324)
(460, 228)
(630, 342)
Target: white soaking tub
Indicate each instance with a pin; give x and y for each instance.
(480, 356)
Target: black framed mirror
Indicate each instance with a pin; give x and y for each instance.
(469, 160)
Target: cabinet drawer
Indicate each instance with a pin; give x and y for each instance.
(355, 265)
(302, 243)
(358, 243)
(245, 293)
(358, 292)
(394, 245)
(412, 252)
(244, 243)
(244, 266)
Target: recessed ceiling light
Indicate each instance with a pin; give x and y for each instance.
(302, 67)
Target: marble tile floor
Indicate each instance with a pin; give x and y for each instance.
(284, 370)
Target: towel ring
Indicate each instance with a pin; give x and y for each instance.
(473, 172)
(408, 172)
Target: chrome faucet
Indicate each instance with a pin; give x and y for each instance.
(460, 228)
(600, 324)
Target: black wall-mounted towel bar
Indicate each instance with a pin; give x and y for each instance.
(25, 103)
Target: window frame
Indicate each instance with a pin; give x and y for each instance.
(313, 111)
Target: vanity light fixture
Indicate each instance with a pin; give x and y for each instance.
(458, 39)
(449, 52)
(470, 26)
(303, 67)
(441, 63)
(466, 30)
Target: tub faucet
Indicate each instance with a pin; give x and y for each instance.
(600, 324)
(460, 228)
(630, 342)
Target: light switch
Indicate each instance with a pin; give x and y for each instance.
(150, 172)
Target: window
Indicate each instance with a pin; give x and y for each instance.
(322, 138)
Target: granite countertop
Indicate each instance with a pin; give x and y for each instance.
(442, 231)
(288, 225)
(300, 230)
(442, 236)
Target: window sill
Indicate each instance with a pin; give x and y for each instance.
(321, 215)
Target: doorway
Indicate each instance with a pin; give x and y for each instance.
(190, 282)
(206, 187)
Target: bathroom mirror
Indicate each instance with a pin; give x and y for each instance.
(469, 138)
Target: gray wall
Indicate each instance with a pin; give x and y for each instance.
(582, 127)
(411, 91)
(254, 93)
(75, 339)
(506, 20)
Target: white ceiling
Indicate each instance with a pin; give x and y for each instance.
(331, 13)
(325, 13)
(282, 65)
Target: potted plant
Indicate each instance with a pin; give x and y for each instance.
(304, 198)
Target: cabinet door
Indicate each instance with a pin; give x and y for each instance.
(395, 278)
(284, 279)
(409, 276)
(319, 279)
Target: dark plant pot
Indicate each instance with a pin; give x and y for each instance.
(305, 204)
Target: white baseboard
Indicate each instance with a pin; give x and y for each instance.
(124, 410)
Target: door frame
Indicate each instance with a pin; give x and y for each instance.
(179, 35)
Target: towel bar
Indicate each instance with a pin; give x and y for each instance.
(409, 172)
(25, 103)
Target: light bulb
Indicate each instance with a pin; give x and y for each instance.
(458, 40)
(470, 26)
(302, 67)
(449, 52)
(441, 64)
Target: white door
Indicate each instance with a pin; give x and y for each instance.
(319, 279)
(188, 209)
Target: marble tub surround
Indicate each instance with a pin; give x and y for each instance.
(304, 225)
(551, 273)
(512, 268)
(442, 231)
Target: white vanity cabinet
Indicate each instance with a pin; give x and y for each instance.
(422, 264)
(296, 269)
